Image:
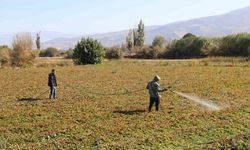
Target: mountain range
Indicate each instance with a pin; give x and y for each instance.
(214, 26)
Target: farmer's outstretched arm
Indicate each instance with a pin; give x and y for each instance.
(159, 89)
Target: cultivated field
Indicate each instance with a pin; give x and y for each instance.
(95, 109)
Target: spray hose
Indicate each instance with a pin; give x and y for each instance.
(123, 93)
(169, 88)
(110, 94)
(41, 94)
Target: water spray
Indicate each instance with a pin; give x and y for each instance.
(197, 99)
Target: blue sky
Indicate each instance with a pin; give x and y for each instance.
(96, 16)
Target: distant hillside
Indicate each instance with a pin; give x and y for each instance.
(107, 39)
(214, 26)
(45, 36)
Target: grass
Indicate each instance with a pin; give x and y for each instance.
(79, 119)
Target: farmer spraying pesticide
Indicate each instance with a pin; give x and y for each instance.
(52, 83)
(154, 89)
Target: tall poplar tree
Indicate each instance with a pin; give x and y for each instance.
(130, 40)
(136, 37)
(38, 41)
(140, 34)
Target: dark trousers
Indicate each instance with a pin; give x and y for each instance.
(151, 103)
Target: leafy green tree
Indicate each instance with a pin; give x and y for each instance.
(188, 35)
(135, 36)
(88, 51)
(159, 41)
(140, 35)
(188, 47)
(38, 41)
(234, 45)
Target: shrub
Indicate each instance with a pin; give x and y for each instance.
(49, 52)
(36, 53)
(69, 54)
(22, 46)
(113, 53)
(159, 41)
(43, 62)
(5, 53)
(88, 51)
(159, 51)
(4, 46)
(148, 53)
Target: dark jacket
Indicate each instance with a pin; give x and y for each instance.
(52, 80)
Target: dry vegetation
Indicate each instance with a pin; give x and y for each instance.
(22, 46)
(81, 119)
(52, 62)
(4, 56)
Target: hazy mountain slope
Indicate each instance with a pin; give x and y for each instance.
(107, 39)
(233, 22)
(45, 36)
(214, 26)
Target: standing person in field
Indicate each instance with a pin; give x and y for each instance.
(52, 83)
(154, 89)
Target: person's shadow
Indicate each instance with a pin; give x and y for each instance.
(28, 99)
(130, 112)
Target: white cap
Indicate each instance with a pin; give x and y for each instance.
(158, 78)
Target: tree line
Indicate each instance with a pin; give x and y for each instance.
(189, 46)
